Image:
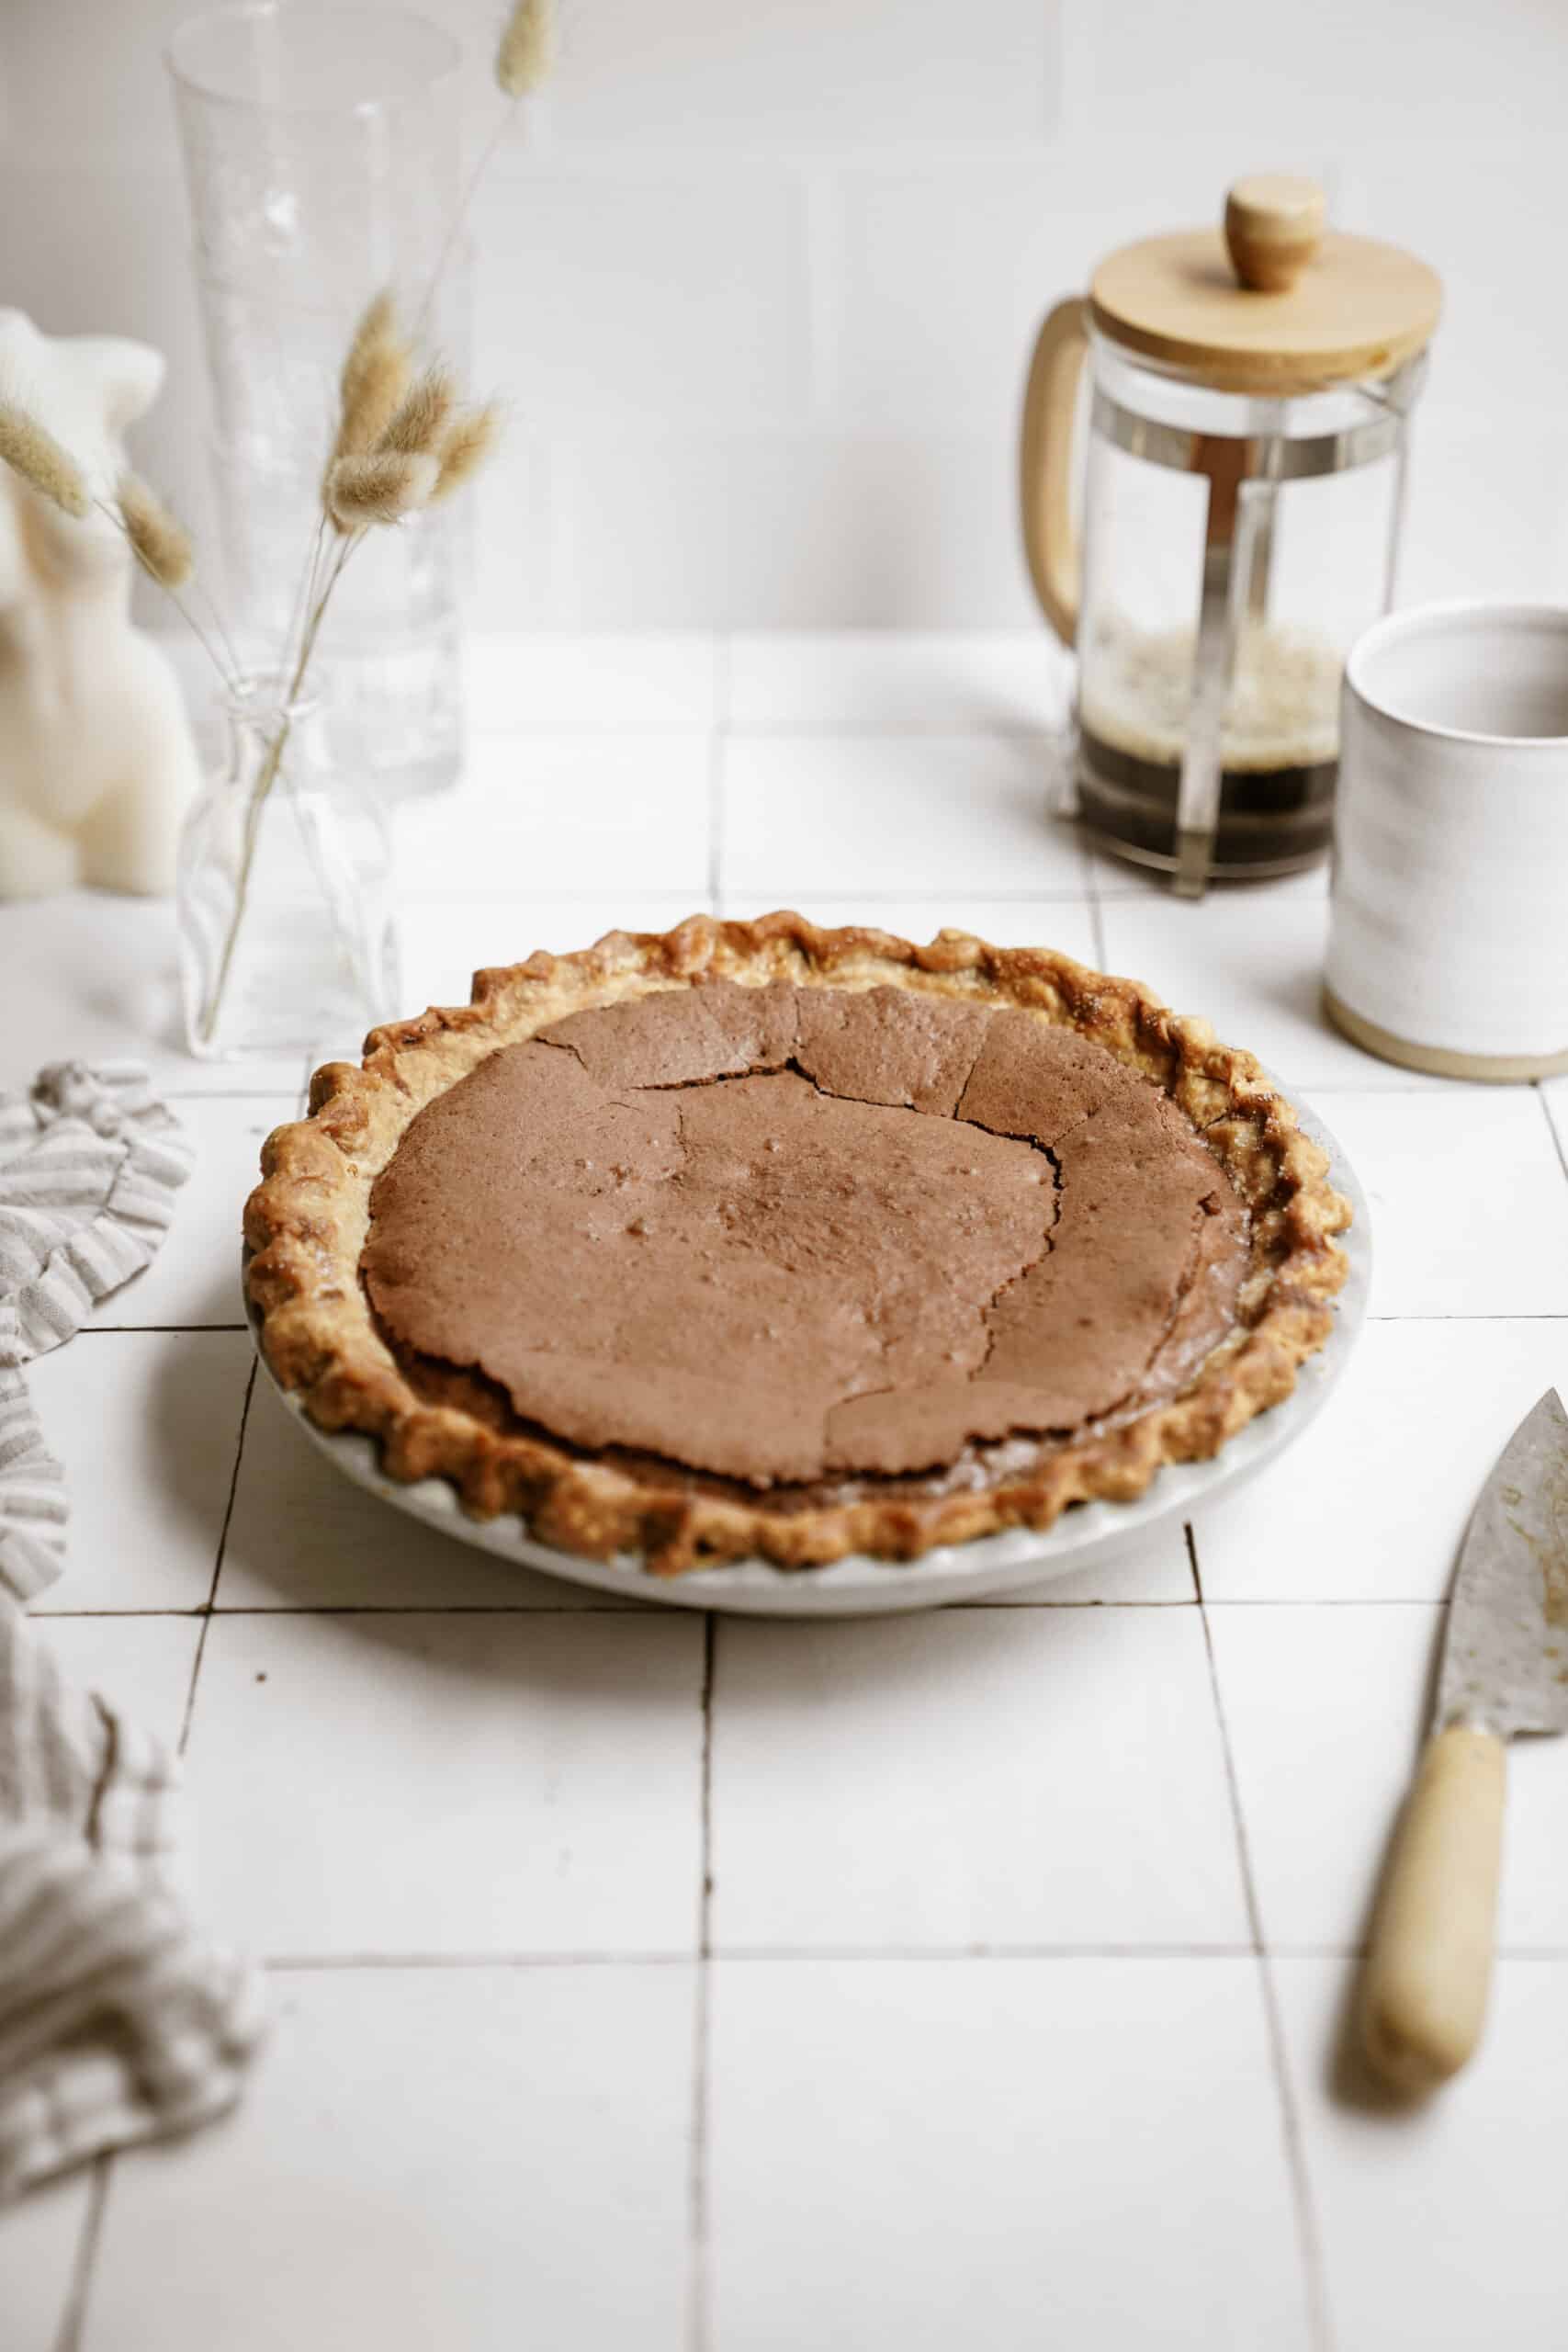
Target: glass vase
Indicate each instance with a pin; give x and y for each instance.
(284, 898)
(323, 165)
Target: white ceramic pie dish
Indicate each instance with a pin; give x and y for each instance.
(1088, 1534)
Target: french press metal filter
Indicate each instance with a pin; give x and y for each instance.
(1248, 422)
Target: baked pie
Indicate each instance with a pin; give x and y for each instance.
(751, 1237)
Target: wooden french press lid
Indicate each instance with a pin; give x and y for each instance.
(1273, 303)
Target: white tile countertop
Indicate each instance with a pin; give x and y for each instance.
(712, 1985)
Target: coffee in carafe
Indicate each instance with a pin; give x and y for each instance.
(1279, 742)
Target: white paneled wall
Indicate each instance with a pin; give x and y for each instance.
(760, 275)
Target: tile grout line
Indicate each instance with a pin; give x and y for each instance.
(1092, 898)
(1320, 2326)
(1190, 1544)
(1067, 896)
(838, 1955)
(1486, 1315)
(902, 730)
(795, 1955)
(1552, 1127)
(208, 1612)
(650, 1609)
(722, 691)
(106, 1330)
(633, 1608)
(309, 1964)
(73, 2318)
(677, 896)
(697, 2336)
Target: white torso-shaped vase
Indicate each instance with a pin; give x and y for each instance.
(96, 763)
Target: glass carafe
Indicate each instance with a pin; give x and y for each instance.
(1237, 535)
(322, 163)
(284, 900)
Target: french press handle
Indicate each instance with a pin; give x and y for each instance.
(1045, 463)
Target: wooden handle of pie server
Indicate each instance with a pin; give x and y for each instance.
(1423, 1994)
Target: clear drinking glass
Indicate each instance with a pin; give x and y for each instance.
(322, 164)
(284, 896)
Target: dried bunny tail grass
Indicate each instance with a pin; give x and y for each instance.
(158, 539)
(378, 323)
(470, 438)
(38, 457)
(527, 47)
(419, 426)
(379, 385)
(380, 487)
(374, 380)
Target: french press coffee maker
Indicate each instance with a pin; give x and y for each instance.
(1249, 420)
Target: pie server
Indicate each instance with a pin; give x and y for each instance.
(1504, 1670)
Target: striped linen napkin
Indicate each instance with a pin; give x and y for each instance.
(120, 2021)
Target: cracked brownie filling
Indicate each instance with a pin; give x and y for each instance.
(804, 1241)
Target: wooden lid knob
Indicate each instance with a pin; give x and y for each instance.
(1272, 227)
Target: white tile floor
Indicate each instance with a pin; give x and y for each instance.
(146, 1424)
(717, 1986)
(1008, 2153)
(412, 1783)
(483, 2158)
(883, 813)
(935, 1769)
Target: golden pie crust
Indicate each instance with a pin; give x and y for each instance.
(308, 1222)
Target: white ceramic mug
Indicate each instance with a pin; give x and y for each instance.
(1448, 942)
